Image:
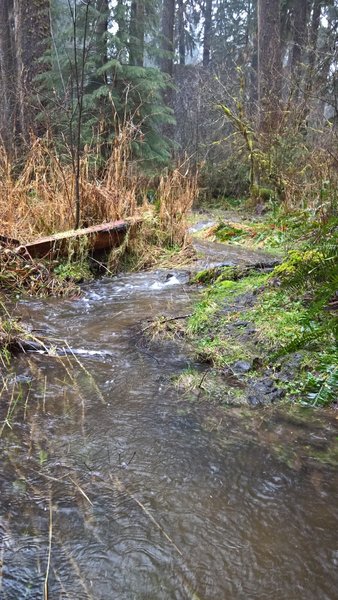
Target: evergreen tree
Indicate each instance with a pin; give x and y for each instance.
(118, 90)
(24, 37)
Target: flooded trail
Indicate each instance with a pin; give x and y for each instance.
(113, 487)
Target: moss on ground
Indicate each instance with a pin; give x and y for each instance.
(276, 232)
(265, 330)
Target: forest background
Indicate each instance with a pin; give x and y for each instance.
(244, 91)
(110, 107)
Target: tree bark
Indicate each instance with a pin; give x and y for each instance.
(136, 33)
(207, 32)
(7, 77)
(31, 30)
(269, 65)
(313, 38)
(167, 60)
(181, 32)
(167, 46)
(101, 32)
(299, 43)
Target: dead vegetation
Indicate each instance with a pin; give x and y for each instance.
(19, 273)
(37, 198)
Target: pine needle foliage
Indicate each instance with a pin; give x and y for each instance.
(114, 91)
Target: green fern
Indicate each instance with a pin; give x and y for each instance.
(327, 388)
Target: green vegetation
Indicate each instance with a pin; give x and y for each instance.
(283, 323)
(12, 335)
(220, 293)
(209, 384)
(76, 271)
(278, 231)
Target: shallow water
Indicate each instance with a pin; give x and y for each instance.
(136, 494)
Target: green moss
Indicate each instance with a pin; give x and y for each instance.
(216, 295)
(262, 193)
(225, 233)
(222, 351)
(217, 274)
(277, 317)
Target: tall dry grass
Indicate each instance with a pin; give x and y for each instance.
(37, 198)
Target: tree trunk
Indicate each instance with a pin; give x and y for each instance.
(31, 30)
(181, 32)
(7, 77)
(136, 33)
(101, 32)
(167, 46)
(167, 60)
(313, 38)
(207, 32)
(24, 36)
(299, 43)
(269, 65)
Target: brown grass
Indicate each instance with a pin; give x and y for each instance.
(37, 198)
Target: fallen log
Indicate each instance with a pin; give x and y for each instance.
(97, 237)
(5, 240)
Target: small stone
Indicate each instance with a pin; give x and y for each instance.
(242, 366)
(254, 401)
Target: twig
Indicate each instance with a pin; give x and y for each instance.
(121, 487)
(81, 491)
(201, 382)
(50, 535)
(102, 265)
(147, 354)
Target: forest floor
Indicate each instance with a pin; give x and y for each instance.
(250, 332)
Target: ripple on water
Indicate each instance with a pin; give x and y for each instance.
(146, 502)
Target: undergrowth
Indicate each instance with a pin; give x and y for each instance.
(279, 231)
(265, 320)
(37, 197)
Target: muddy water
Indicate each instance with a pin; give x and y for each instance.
(114, 487)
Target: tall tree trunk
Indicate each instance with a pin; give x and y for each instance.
(24, 37)
(299, 43)
(181, 32)
(101, 32)
(252, 51)
(32, 30)
(167, 27)
(207, 32)
(136, 33)
(167, 60)
(269, 65)
(313, 38)
(7, 76)
(100, 53)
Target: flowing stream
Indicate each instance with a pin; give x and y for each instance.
(114, 486)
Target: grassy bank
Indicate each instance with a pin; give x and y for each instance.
(258, 333)
(264, 335)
